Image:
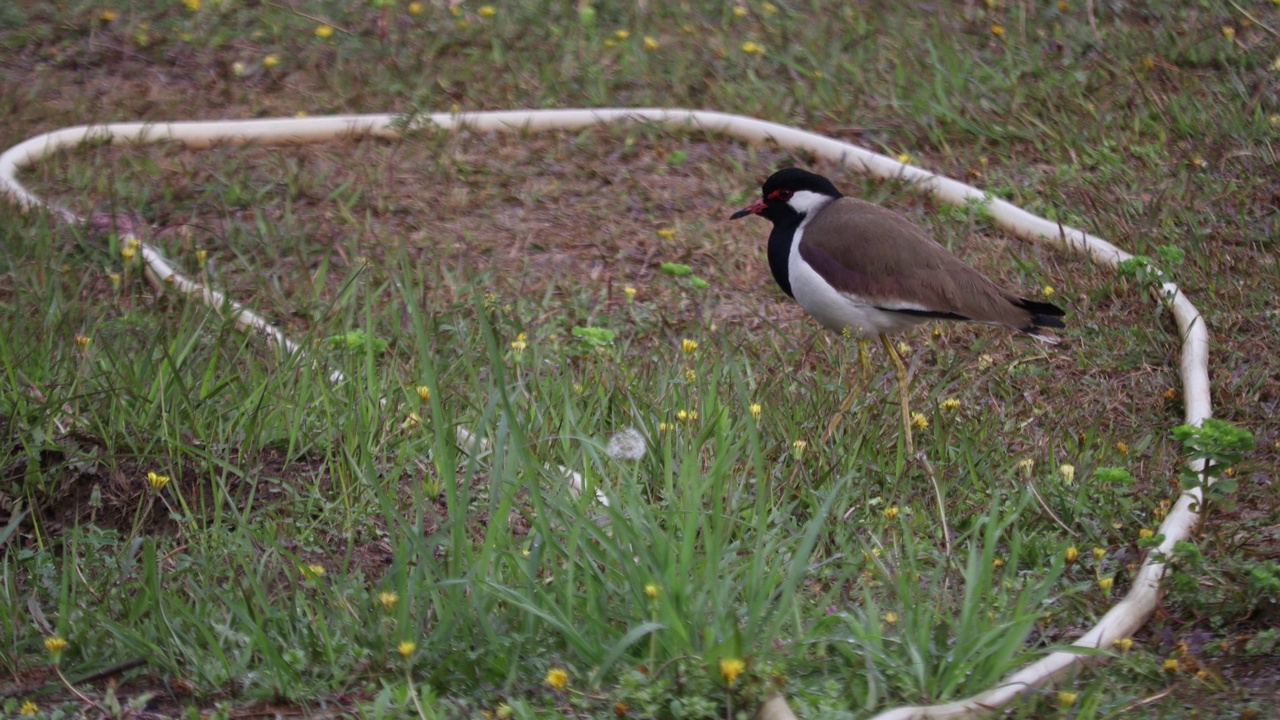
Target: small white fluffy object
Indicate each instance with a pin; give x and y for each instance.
(627, 444)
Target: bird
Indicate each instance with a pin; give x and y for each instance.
(862, 269)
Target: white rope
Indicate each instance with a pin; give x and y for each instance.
(1121, 621)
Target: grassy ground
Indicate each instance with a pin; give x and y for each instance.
(327, 549)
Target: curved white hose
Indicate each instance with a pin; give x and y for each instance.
(1121, 621)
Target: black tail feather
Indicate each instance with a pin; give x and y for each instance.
(1043, 314)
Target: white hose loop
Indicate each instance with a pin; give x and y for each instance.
(1121, 621)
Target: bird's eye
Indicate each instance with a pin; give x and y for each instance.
(783, 195)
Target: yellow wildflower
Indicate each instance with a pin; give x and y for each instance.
(891, 512)
(890, 617)
(651, 590)
(1026, 465)
(487, 11)
(1067, 471)
(919, 420)
(997, 30)
(630, 292)
(239, 68)
(192, 5)
(1099, 553)
(755, 410)
(650, 43)
(424, 393)
(406, 647)
(519, 344)
(797, 447)
(691, 375)
(129, 249)
(1228, 32)
(313, 570)
(1170, 665)
(688, 345)
(985, 361)
(769, 8)
(388, 600)
(324, 31)
(622, 34)
(415, 8)
(731, 668)
(1106, 583)
(663, 427)
(997, 563)
(1073, 554)
(951, 404)
(503, 711)
(739, 11)
(1123, 644)
(558, 678)
(83, 340)
(28, 708)
(1146, 533)
(1122, 447)
(107, 16)
(904, 157)
(752, 48)
(202, 256)
(1047, 291)
(1066, 699)
(666, 233)
(1063, 6)
(55, 644)
(412, 421)
(269, 62)
(157, 481)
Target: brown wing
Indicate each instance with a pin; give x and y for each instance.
(875, 253)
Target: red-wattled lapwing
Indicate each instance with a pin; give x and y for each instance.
(861, 268)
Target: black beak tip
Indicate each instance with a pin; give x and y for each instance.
(741, 213)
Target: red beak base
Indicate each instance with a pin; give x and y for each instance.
(754, 208)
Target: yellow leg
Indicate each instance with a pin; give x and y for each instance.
(855, 390)
(903, 388)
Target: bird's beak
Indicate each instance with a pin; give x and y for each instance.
(754, 208)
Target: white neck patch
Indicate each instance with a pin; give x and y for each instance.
(808, 203)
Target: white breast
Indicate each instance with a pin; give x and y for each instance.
(836, 310)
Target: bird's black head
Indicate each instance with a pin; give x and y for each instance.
(790, 192)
